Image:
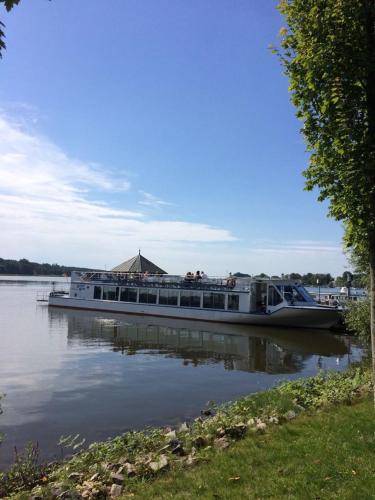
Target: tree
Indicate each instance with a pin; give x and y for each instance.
(1, 411)
(8, 4)
(294, 276)
(328, 53)
(262, 275)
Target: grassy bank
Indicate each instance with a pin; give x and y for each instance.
(267, 445)
(329, 455)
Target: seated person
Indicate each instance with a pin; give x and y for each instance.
(231, 281)
(332, 301)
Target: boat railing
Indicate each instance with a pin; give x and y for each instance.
(174, 281)
(42, 296)
(58, 293)
(165, 281)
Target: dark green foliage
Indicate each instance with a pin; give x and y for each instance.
(262, 275)
(327, 456)
(325, 388)
(253, 416)
(311, 279)
(295, 276)
(2, 36)
(27, 268)
(359, 280)
(328, 55)
(357, 319)
(25, 473)
(8, 4)
(1, 411)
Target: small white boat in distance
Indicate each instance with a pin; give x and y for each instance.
(272, 302)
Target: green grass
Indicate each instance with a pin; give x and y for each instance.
(330, 454)
(318, 443)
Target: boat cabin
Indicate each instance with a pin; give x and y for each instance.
(252, 295)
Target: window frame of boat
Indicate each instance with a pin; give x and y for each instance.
(191, 294)
(100, 289)
(304, 293)
(229, 300)
(292, 292)
(147, 291)
(109, 288)
(168, 293)
(277, 292)
(213, 306)
(128, 289)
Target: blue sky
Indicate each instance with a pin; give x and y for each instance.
(158, 125)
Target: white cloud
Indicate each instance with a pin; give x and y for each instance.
(31, 164)
(152, 201)
(53, 208)
(304, 247)
(47, 210)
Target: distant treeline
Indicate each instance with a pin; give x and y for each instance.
(25, 267)
(318, 279)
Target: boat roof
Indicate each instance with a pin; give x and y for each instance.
(138, 264)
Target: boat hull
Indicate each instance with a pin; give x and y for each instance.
(306, 317)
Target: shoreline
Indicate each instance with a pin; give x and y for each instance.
(111, 467)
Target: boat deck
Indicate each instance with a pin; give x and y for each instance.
(212, 284)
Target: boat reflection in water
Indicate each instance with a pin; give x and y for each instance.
(100, 374)
(236, 347)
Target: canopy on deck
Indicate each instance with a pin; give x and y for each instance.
(138, 264)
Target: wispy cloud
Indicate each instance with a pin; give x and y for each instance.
(57, 207)
(150, 200)
(296, 247)
(30, 163)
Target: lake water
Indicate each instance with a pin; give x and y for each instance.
(100, 374)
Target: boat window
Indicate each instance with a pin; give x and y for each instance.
(168, 297)
(147, 296)
(214, 300)
(110, 292)
(306, 297)
(190, 299)
(233, 302)
(294, 293)
(163, 297)
(97, 292)
(128, 295)
(274, 297)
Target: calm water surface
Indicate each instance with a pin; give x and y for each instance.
(99, 374)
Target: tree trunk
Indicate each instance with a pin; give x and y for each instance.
(372, 300)
(370, 95)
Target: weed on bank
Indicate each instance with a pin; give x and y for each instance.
(119, 466)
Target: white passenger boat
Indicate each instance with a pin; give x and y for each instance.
(273, 302)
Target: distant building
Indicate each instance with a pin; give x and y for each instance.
(138, 264)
